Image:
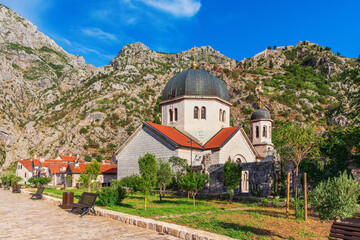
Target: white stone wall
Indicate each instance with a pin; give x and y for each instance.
(261, 139)
(202, 129)
(144, 142)
(21, 171)
(236, 147)
(262, 143)
(186, 153)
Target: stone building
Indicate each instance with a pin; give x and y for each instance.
(195, 117)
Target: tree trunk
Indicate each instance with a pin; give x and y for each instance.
(145, 202)
(231, 196)
(89, 186)
(188, 195)
(160, 194)
(296, 190)
(194, 199)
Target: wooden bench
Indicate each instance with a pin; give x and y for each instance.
(7, 187)
(86, 203)
(38, 194)
(341, 230)
(16, 188)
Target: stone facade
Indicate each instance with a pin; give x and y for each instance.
(236, 148)
(260, 135)
(260, 178)
(143, 141)
(24, 173)
(201, 128)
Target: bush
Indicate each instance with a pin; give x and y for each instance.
(41, 181)
(111, 196)
(336, 198)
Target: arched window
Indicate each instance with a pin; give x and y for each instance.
(171, 115)
(245, 182)
(220, 115)
(257, 132)
(176, 114)
(203, 112)
(196, 113)
(223, 116)
(264, 131)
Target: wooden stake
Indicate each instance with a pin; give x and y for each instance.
(305, 198)
(288, 195)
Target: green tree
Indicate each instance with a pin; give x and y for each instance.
(295, 142)
(336, 198)
(92, 170)
(131, 182)
(148, 170)
(40, 181)
(87, 158)
(232, 173)
(164, 175)
(10, 178)
(179, 165)
(271, 64)
(269, 47)
(84, 180)
(193, 182)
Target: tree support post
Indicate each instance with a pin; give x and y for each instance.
(288, 195)
(305, 198)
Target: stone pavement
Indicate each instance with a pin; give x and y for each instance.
(22, 218)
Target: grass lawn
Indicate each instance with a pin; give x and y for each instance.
(237, 220)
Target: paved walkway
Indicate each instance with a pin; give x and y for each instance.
(22, 218)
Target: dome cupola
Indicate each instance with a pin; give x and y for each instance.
(195, 83)
(261, 114)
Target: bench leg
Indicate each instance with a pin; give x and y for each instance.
(93, 211)
(85, 211)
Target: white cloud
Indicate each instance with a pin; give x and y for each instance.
(97, 32)
(178, 8)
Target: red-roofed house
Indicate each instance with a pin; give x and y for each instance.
(24, 169)
(68, 159)
(195, 117)
(58, 172)
(108, 172)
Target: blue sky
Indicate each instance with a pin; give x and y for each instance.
(98, 29)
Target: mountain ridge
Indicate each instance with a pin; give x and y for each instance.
(53, 102)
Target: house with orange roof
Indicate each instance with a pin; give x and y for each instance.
(195, 125)
(57, 172)
(108, 172)
(24, 169)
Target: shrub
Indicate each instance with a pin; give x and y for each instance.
(84, 130)
(87, 158)
(336, 198)
(111, 196)
(41, 181)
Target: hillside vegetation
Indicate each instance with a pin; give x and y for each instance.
(53, 102)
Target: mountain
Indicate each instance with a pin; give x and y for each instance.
(53, 102)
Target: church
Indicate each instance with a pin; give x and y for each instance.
(195, 125)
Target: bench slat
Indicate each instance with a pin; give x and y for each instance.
(333, 235)
(349, 228)
(355, 234)
(346, 224)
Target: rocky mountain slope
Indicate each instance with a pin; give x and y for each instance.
(53, 102)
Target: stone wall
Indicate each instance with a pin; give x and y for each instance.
(261, 177)
(146, 141)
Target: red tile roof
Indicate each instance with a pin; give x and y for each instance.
(80, 169)
(221, 137)
(36, 162)
(68, 158)
(53, 161)
(106, 168)
(58, 168)
(174, 135)
(27, 164)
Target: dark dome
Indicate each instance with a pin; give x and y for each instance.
(260, 114)
(195, 82)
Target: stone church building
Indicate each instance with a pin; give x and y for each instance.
(195, 116)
